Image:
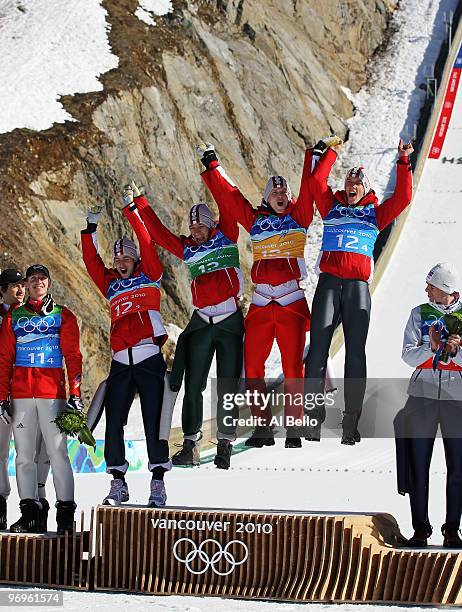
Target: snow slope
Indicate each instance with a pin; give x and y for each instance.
(47, 50)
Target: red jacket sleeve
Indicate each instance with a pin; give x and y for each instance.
(157, 230)
(401, 198)
(93, 262)
(70, 346)
(7, 356)
(230, 201)
(323, 194)
(303, 209)
(149, 258)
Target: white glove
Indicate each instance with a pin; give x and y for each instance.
(94, 213)
(130, 191)
(203, 148)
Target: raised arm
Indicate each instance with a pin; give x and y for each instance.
(402, 196)
(322, 193)
(91, 258)
(148, 250)
(230, 201)
(304, 210)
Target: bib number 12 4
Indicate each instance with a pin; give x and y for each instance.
(351, 242)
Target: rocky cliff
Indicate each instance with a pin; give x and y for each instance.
(259, 78)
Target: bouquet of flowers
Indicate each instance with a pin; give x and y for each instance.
(74, 423)
(453, 326)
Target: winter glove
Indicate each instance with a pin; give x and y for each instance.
(93, 214)
(130, 191)
(74, 403)
(206, 152)
(48, 305)
(5, 411)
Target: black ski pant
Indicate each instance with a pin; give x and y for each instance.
(147, 379)
(225, 339)
(347, 300)
(419, 422)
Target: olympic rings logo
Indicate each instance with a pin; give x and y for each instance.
(210, 561)
(210, 244)
(123, 283)
(359, 212)
(40, 324)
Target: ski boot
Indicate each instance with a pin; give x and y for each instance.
(350, 435)
(451, 532)
(189, 455)
(3, 525)
(65, 511)
(261, 436)
(28, 523)
(158, 496)
(42, 523)
(118, 493)
(293, 439)
(419, 539)
(223, 457)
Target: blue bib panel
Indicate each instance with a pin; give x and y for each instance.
(37, 338)
(352, 229)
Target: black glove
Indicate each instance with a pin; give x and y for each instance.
(319, 148)
(5, 411)
(206, 151)
(75, 403)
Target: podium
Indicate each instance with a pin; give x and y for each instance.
(272, 555)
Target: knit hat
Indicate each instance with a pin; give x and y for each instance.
(125, 246)
(444, 276)
(276, 182)
(358, 173)
(201, 214)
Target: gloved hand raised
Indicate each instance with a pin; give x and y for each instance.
(5, 411)
(129, 192)
(93, 214)
(206, 152)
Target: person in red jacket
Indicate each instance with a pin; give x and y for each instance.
(12, 292)
(132, 288)
(35, 338)
(216, 326)
(279, 310)
(352, 220)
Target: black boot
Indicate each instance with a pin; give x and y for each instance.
(350, 434)
(261, 436)
(422, 531)
(450, 532)
(188, 455)
(223, 456)
(293, 439)
(2, 513)
(42, 525)
(65, 511)
(28, 523)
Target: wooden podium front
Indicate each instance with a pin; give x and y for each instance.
(268, 555)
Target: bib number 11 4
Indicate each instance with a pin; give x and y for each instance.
(39, 358)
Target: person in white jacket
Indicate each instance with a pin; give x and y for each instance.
(435, 398)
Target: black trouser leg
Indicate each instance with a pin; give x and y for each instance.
(421, 425)
(199, 350)
(229, 352)
(325, 315)
(149, 378)
(355, 309)
(451, 428)
(120, 393)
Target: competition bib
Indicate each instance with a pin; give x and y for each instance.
(135, 294)
(217, 253)
(37, 338)
(276, 237)
(352, 229)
